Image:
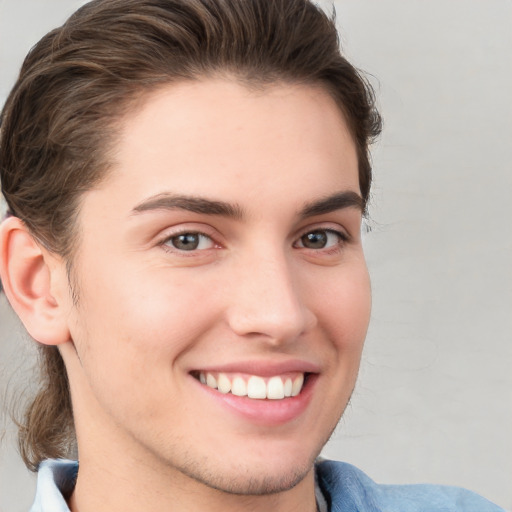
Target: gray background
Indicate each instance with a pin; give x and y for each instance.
(433, 402)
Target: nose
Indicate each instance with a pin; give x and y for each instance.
(268, 302)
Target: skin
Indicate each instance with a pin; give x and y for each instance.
(150, 314)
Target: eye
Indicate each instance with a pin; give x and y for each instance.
(321, 239)
(190, 242)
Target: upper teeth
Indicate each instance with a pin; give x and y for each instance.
(253, 386)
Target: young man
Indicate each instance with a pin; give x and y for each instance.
(186, 182)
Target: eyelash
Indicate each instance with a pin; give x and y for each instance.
(168, 240)
(342, 239)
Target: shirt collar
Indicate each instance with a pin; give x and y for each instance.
(55, 479)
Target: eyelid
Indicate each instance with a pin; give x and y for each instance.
(342, 236)
(326, 226)
(182, 229)
(199, 237)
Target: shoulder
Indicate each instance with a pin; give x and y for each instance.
(348, 489)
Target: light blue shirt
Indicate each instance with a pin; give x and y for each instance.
(55, 478)
(343, 487)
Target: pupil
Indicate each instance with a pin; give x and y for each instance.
(187, 241)
(315, 240)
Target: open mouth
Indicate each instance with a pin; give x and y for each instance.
(277, 387)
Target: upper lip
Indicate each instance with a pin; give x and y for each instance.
(262, 368)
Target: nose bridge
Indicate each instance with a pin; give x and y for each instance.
(268, 299)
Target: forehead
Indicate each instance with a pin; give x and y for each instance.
(219, 137)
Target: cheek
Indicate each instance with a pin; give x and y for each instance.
(149, 302)
(344, 309)
(136, 327)
(131, 349)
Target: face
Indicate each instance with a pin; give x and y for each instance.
(223, 292)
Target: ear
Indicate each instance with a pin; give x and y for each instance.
(29, 275)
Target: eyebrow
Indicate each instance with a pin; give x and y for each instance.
(338, 201)
(191, 204)
(201, 205)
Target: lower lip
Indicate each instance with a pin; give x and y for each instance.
(265, 412)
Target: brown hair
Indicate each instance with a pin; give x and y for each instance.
(60, 119)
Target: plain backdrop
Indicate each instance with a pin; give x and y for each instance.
(434, 397)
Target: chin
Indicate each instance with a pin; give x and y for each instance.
(250, 481)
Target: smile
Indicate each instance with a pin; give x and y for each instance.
(276, 387)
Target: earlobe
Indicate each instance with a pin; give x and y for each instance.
(27, 277)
